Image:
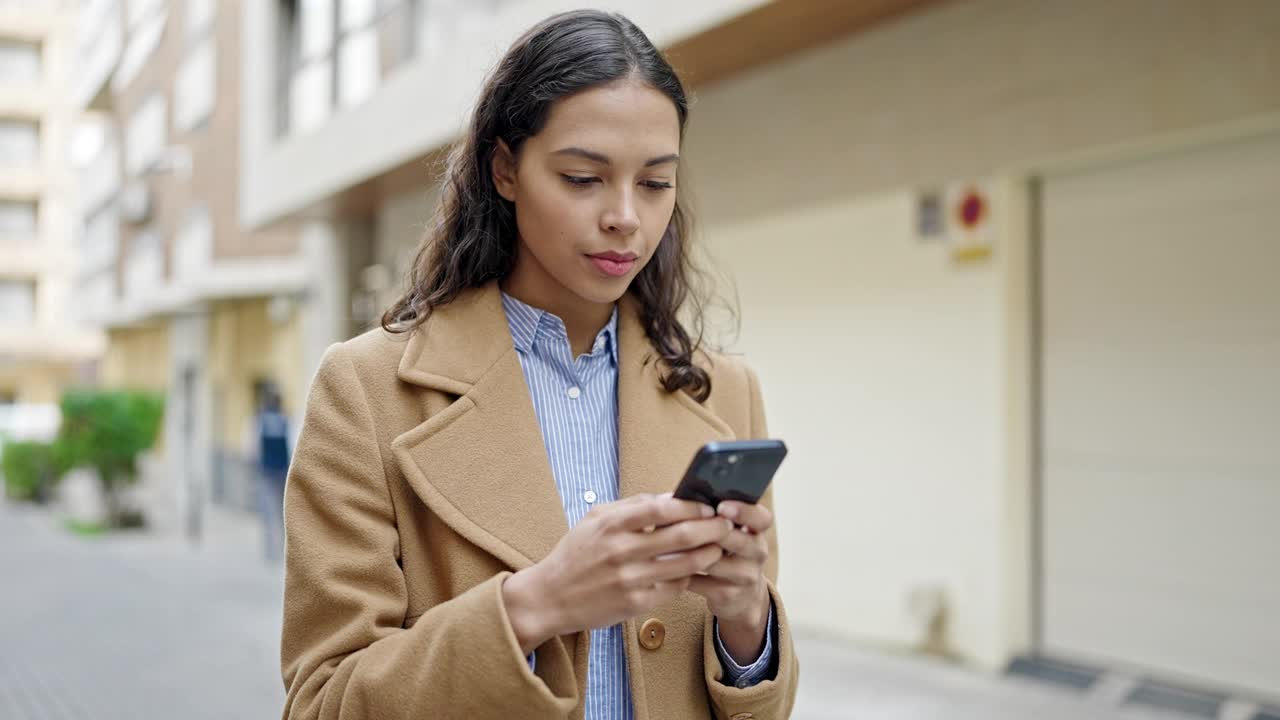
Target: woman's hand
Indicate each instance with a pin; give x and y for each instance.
(614, 565)
(735, 587)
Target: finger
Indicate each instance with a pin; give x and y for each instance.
(746, 545)
(658, 594)
(680, 566)
(734, 571)
(714, 589)
(750, 515)
(659, 510)
(680, 537)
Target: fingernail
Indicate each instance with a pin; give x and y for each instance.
(729, 511)
(708, 511)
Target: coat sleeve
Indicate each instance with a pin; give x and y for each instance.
(771, 698)
(345, 651)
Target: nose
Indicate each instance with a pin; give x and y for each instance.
(621, 216)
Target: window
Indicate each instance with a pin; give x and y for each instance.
(19, 143)
(97, 292)
(19, 63)
(144, 270)
(139, 11)
(357, 52)
(146, 135)
(145, 31)
(100, 239)
(194, 249)
(194, 88)
(200, 14)
(337, 52)
(17, 220)
(17, 302)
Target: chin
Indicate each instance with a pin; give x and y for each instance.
(603, 291)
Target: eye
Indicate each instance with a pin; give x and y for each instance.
(579, 180)
(657, 185)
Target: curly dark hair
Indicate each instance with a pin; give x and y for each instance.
(472, 239)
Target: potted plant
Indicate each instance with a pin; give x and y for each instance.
(106, 430)
(29, 471)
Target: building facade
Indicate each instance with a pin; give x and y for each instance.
(43, 344)
(1004, 268)
(191, 304)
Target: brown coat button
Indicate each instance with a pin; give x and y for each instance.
(652, 633)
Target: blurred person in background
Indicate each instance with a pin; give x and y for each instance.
(478, 517)
(270, 453)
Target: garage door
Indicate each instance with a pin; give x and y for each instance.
(1160, 287)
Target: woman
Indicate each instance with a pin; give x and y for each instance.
(478, 516)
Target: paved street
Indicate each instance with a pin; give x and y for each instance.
(138, 627)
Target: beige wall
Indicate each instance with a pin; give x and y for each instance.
(36, 383)
(137, 358)
(401, 223)
(974, 87)
(898, 376)
(248, 345)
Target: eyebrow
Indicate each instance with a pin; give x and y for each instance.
(604, 159)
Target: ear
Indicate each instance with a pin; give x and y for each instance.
(502, 167)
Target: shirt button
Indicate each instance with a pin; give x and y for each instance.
(589, 496)
(575, 392)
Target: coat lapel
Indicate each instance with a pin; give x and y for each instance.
(481, 465)
(658, 431)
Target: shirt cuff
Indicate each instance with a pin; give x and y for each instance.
(746, 676)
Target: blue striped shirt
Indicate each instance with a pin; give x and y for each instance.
(576, 403)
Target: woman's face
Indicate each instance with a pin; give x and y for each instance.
(593, 192)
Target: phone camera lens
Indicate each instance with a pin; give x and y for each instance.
(733, 459)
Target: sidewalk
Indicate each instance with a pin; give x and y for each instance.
(135, 627)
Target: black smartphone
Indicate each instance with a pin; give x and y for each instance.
(731, 470)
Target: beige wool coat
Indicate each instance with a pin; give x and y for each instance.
(421, 482)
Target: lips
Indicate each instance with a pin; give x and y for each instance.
(613, 264)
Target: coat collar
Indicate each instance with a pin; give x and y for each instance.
(481, 464)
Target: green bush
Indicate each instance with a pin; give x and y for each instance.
(107, 430)
(29, 470)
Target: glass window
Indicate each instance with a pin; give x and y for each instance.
(194, 88)
(100, 239)
(199, 18)
(310, 96)
(142, 42)
(357, 66)
(338, 53)
(19, 63)
(97, 293)
(146, 135)
(17, 220)
(17, 302)
(315, 29)
(194, 250)
(144, 270)
(357, 14)
(19, 143)
(140, 10)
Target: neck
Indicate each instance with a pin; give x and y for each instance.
(582, 320)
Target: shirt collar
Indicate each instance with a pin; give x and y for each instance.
(526, 320)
